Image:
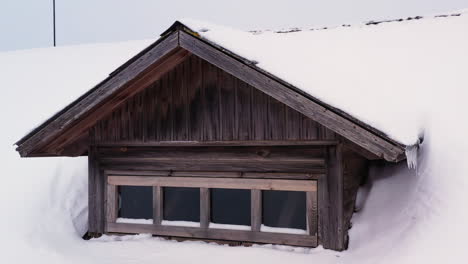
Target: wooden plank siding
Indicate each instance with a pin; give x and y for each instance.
(199, 102)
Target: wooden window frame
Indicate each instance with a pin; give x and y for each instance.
(256, 185)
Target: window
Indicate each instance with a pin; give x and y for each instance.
(181, 204)
(285, 209)
(230, 206)
(250, 209)
(136, 202)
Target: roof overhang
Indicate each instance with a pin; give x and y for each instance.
(72, 123)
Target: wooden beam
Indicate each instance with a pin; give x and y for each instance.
(219, 174)
(96, 189)
(309, 155)
(112, 203)
(77, 148)
(224, 234)
(190, 165)
(311, 205)
(205, 205)
(299, 102)
(330, 202)
(256, 210)
(219, 143)
(158, 204)
(228, 183)
(359, 150)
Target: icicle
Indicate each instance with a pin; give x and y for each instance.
(412, 156)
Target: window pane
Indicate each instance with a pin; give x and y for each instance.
(284, 209)
(181, 204)
(230, 206)
(136, 202)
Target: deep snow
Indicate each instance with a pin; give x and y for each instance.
(413, 77)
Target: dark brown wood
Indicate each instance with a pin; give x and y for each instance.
(138, 173)
(360, 135)
(179, 102)
(96, 191)
(231, 159)
(219, 143)
(330, 202)
(281, 175)
(311, 205)
(359, 150)
(260, 102)
(224, 234)
(195, 98)
(245, 111)
(277, 153)
(157, 205)
(210, 102)
(256, 210)
(205, 205)
(227, 105)
(198, 102)
(254, 123)
(235, 166)
(77, 148)
(112, 203)
(220, 174)
(277, 120)
(199, 182)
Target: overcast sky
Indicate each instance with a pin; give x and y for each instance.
(28, 23)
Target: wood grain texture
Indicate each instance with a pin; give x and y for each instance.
(330, 202)
(224, 234)
(96, 190)
(158, 203)
(256, 210)
(92, 192)
(112, 203)
(205, 207)
(219, 174)
(297, 159)
(311, 207)
(354, 132)
(198, 102)
(200, 182)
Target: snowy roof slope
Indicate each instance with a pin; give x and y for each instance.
(60, 75)
(390, 65)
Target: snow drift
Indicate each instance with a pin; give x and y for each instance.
(401, 77)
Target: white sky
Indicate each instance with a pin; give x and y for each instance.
(28, 23)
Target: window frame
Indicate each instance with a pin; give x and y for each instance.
(206, 181)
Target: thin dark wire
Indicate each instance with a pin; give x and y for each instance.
(53, 1)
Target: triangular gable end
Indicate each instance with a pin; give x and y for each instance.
(175, 46)
(197, 102)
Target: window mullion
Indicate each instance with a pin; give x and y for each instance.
(256, 210)
(157, 205)
(205, 207)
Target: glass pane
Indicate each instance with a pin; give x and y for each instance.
(284, 209)
(136, 202)
(181, 204)
(230, 206)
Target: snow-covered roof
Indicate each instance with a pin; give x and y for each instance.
(390, 64)
(374, 72)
